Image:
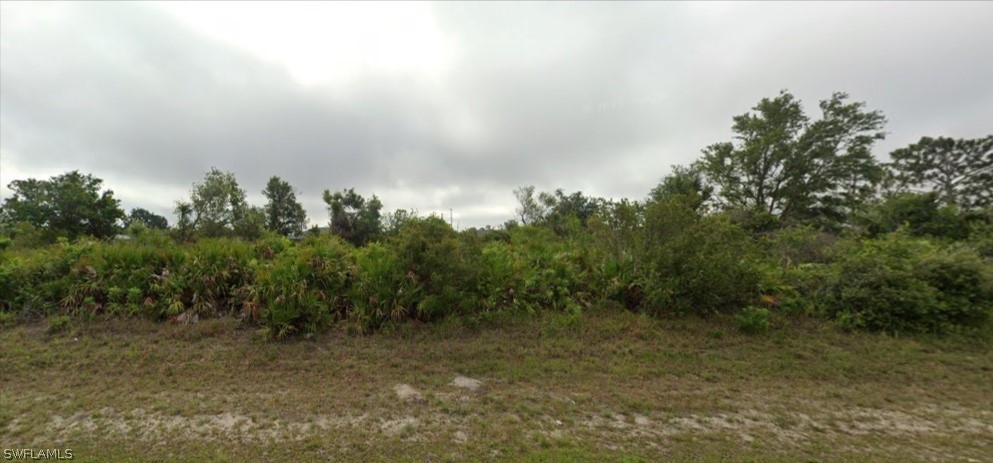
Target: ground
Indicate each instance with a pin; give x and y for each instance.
(607, 386)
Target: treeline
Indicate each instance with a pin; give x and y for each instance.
(794, 216)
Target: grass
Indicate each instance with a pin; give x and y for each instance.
(608, 386)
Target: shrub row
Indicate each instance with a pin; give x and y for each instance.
(663, 259)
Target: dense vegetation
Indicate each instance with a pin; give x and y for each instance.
(795, 217)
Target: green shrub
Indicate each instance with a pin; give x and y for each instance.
(697, 264)
(556, 270)
(753, 320)
(902, 284)
(921, 214)
(302, 289)
(58, 324)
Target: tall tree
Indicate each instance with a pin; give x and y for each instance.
(184, 220)
(683, 181)
(352, 217)
(70, 204)
(283, 214)
(784, 164)
(960, 171)
(531, 211)
(218, 204)
(147, 218)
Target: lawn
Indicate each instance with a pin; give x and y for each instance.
(607, 386)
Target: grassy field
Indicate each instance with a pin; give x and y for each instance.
(608, 386)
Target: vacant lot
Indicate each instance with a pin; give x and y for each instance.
(609, 386)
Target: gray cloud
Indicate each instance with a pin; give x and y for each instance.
(601, 97)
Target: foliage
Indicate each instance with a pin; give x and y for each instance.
(216, 206)
(696, 264)
(352, 217)
(753, 320)
(146, 218)
(960, 172)
(921, 214)
(283, 213)
(684, 181)
(68, 205)
(563, 213)
(793, 168)
(898, 283)
(300, 289)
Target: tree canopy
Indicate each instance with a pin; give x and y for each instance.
(283, 213)
(784, 164)
(216, 205)
(147, 218)
(70, 204)
(352, 217)
(959, 171)
(683, 181)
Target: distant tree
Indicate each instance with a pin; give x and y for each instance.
(283, 214)
(352, 217)
(574, 204)
(252, 223)
(790, 167)
(529, 210)
(147, 218)
(184, 220)
(398, 219)
(923, 214)
(683, 181)
(70, 204)
(218, 204)
(556, 209)
(960, 171)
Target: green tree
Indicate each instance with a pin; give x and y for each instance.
(683, 181)
(530, 211)
(352, 217)
(252, 223)
(217, 204)
(782, 163)
(147, 218)
(70, 204)
(184, 220)
(283, 213)
(922, 214)
(960, 171)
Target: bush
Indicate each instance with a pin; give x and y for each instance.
(697, 264)
(921, 214)
(424, 272)
(302, 289)
(753, 320)
(899, 283)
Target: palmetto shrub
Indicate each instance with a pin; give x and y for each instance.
(301, 289)
(424, 272)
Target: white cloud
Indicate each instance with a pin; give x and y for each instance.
(326, 42)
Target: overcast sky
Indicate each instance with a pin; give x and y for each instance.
(453, 105)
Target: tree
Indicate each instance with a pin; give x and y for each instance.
(352, 217)
(960, 171)
(184, 221)
(217, 204)
(530, 211)
(70, 204)
(922, 215)
(252, 223)
(555, 209)
(782, 163)
(683, 181)
(147, 218)
(283, 214)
